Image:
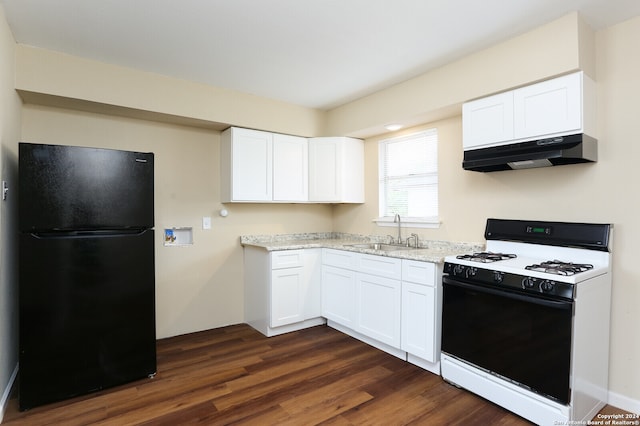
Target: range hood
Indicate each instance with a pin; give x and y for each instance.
(571, 149)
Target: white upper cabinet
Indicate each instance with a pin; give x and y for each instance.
(549, 108)
(259, 166)
(246, 165)
(556, 107)
(290, 168)
(488, 120)
(263, 167)
(336, 170)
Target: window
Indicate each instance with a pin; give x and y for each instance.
(408, 173)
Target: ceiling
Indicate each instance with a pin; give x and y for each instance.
(314, 53)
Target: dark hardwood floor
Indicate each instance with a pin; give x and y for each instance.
(234, 375)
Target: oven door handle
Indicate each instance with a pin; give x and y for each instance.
(555, 304)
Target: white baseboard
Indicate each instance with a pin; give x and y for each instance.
(7, 393)
(624, 402)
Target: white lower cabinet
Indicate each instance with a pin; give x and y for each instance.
(418, 320)
(282, 289)
(339, 295)
(421, 313)
(378, 308)
(392, 304)
(287, 296)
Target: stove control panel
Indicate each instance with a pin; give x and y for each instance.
(500, 279)
(544, 286)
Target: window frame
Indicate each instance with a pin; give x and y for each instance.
(416, 222)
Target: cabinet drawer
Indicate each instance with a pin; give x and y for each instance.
(286, 259)
(380, 265)
(419, 272)
(340, 258)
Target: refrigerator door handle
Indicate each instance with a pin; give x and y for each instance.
(85, 234)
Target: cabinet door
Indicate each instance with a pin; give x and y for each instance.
(487, 120)
(548, 108)
(419, 320)
(313, 281)
(336, 170)
(252, 177)
(290, 168)
(325, 169)
(287, 296)
(352, 175)
(339, 295)
(378, 308)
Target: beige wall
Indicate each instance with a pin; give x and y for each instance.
(559, 47)
(616, 197)
(602, 192)
(10, 106)
(200, 286)
(51, 77)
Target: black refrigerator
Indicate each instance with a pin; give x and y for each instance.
(87, 274)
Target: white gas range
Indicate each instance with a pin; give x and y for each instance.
(526, 323)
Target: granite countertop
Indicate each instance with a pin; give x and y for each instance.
(429, 251)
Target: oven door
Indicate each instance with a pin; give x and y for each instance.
(522, 338)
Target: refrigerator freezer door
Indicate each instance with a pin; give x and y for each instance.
(77, 188)
(87, 314)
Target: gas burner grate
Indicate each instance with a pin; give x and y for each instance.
(559, 267)
(486, 257)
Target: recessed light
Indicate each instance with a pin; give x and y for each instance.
(393, 127)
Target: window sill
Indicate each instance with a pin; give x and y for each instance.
(409, 222)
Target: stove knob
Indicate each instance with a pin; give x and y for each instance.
(470, 272)
(458, 270)
(547, 285)
(529, 282)
(498, 276)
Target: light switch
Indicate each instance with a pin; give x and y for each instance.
(206, 222)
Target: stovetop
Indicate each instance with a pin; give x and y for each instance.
(555, 266)
(532, 260)
(559, 267)
(486, 256)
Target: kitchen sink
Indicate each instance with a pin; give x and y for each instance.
(380, 246)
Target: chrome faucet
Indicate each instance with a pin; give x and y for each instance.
(396, 219)
(415, 240)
